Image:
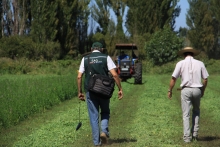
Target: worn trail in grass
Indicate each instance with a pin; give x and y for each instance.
(143, 118)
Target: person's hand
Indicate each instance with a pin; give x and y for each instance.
(81, 96)
(170, 95)
(120, 95)
(202, 94)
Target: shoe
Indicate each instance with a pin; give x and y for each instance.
(104, 138)
(187, 141)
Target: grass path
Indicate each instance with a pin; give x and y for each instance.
(143, 118)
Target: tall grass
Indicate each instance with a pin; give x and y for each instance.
(31, 87)
(27, 67)
(23, 95)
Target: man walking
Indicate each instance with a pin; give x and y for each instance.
(99, 63)
(191, 72)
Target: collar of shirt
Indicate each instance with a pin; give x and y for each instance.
(189, 58)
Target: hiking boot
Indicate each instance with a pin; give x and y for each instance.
(104, 138)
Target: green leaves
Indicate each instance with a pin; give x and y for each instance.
(163, 46)
(150, 16)
(203, 23)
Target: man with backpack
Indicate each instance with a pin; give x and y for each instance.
(99, 63)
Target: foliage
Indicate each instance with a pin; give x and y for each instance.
(119, 8)
(163, 46)
(182, 32)
(16, 47)
(113, 31)
(44, 26)
(110, 39)
(212, 66)
(63, 22)
(215, 4)
(150, 16)
(66, 23)
(98, 37)
(202, 31)
(101, 14)
(62, 67)
(24, 66)
(49, 51)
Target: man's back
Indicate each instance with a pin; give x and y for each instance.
(97, 63)
(191, 72)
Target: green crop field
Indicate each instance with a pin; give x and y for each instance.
(24, 95)
(145, 117)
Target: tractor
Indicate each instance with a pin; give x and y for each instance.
(128, 64)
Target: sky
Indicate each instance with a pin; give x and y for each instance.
(181, 20)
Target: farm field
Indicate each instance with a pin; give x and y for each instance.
(145, 117)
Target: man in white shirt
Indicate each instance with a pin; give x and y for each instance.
(191, 72)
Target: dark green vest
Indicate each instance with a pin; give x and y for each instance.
(98, 65)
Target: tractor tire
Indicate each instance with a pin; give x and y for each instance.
(138, 74)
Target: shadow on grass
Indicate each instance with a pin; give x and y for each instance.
(121, 140)
(208, 138)
(132, 83)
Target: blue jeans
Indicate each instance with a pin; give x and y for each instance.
(94, 102)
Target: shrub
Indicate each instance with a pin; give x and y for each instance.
(163, 46)
(49, 51)
(16, 47)
(23, 47)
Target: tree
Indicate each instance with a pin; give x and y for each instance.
(182, 32)
(82, 26)
(215, 8)
(25, 17)
(101, 14)
(14, 17)
(215, 5)
(150, 16)
(1, 20)
(44, 21)
(72, 25)
(201, 22)
(6, 17)
(119, 7)
(163, 46)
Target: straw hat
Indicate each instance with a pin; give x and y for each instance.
(188, 49)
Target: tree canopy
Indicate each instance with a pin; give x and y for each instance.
(69, 27)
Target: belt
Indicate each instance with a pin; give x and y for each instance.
(188, 87)
(191, 87)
